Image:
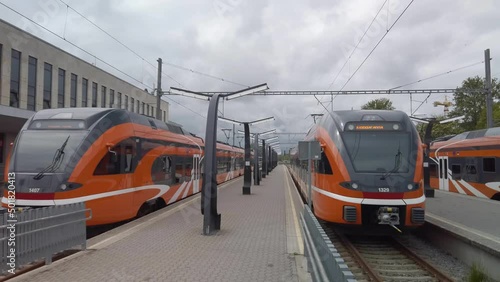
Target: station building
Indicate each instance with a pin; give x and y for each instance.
(36, 75)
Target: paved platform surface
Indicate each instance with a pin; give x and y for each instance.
(168, 245)
(474, 218)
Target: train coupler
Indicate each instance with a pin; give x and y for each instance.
(390, 216)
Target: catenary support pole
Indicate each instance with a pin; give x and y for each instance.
(159, 92)
(489, 99)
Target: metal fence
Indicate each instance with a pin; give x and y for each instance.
(36, 234)
(323, 260)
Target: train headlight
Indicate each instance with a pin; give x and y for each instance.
(38, 124)
(395, 126)
(63, 186)
(410, 186)
(350, 127)
(354, 185)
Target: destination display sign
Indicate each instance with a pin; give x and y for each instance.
(373, 126)
(57, 124)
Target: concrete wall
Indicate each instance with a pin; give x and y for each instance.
(28, 45)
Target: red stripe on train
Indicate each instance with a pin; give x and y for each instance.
(35, 196)
(382, 195)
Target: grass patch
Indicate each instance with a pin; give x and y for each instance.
(477, 274)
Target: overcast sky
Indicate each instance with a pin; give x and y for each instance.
(290, 45)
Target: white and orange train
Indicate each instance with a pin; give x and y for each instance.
(121, 164)
(467, 164)
(370, 171)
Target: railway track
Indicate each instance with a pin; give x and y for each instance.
(382, 259)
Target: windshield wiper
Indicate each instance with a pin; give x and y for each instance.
(56, 161)
(397, 164)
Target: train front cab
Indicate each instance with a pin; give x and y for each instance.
(356, 182)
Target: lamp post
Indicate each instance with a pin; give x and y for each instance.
(247, 176)
(212, 219)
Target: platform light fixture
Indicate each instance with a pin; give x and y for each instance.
(267, 132)
(451, 119)
(247, 91)
(189, 93)
(272, 138)
(259, 121)
(230, 121)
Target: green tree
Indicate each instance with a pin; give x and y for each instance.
(496, 116)
(378, 104)
(470, 102)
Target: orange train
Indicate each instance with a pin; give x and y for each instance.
(369, 172)
(466, 164)
(119, 163)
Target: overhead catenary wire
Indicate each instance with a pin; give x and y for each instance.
(74, 45)
(356, 47)
(375, 47)
(118, 41)
(205, 74)
(97, 58)
(141, 57)
(437, 75)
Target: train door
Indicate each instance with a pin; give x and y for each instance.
(443, 173)
(196, 175)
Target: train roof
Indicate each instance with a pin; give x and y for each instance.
(368, 115)
(474, 135)
(92, 115)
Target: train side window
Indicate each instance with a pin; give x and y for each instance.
(456, 171)
(324, 165)
(489, 165)
(161, 170)
(471, 169)
(121, 159)
(433, 168)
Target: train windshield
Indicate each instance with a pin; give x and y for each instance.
(46, 151)
(380, 152)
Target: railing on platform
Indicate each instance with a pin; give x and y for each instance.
(323, 260)
(40, 233)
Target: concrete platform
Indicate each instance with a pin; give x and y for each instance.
(259, 240)
(474, 218)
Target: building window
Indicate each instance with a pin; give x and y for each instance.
(85, 92)
(15, 77)
(47, 86)
(147, 107)
(143, 106)
(32, 64)
(94, 94)
(72, 99)
(489, 165)
(138, 107)
(119, 100)
(60, 88)
(126, 102)
(111, 98)
(132, 101)
(103, 96)
(164, 115)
